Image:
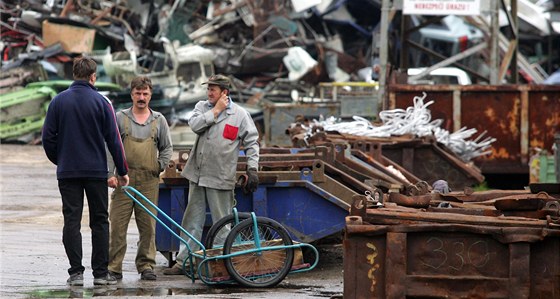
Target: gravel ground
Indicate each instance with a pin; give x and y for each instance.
(33, 263)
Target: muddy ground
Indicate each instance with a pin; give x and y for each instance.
(33, 263)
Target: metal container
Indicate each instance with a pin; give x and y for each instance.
(520, 117)
(172, 201)
(397, 252)
(310, 204)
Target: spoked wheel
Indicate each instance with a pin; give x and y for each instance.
(219, 231)
(262, 268)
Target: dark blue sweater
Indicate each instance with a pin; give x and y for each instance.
(79, 123)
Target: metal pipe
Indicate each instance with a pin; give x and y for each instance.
(495, 29)
(383, 52)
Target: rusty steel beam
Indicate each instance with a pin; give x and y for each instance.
(383, 163)
(420, 158)
(284, 164)
(479, 196)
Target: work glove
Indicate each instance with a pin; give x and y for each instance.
(252, 180)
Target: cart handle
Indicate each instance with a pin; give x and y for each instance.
(126, 190)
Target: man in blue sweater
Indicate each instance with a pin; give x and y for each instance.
(79, 123)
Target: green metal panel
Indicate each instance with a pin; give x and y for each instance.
(547, 169)
(16, 106)
(60, 85)
(26, 125)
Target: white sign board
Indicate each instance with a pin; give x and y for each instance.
(441, 7)
(301, 5)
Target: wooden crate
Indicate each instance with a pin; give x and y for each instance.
(217, 270)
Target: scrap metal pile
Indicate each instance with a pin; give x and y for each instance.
(333, 178)
(408, 138)
(266, 47)
(414, 121)
(255, 41)
(358, 168)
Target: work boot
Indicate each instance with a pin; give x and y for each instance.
(104, 280)
(148, 274)
(76, 279)
(175, 270)
(116, 275)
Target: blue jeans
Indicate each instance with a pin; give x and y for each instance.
(72, 192)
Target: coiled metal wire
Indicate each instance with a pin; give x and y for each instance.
(415, 120)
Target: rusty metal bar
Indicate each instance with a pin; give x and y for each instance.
(442, 57)
(409, 216)
(286, 164)
(524, 125)
(450, 60)
(494, 46)
(507, 59)
(345, 178)
(386, 162)
(456, 110)
(367, 170)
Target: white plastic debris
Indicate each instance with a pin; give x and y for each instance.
(397, 172)
(298, 62)
(415, 120)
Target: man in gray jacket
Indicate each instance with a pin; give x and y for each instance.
(222, 128)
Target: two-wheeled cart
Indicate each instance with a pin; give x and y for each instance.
(252, 251)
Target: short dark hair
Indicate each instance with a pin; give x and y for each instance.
(140, 82)
(83, 68)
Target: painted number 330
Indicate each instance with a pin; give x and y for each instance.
(457, 256)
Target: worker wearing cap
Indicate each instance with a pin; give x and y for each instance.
(222, 128)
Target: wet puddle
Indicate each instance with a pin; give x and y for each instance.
(87, 292)
(114, 291)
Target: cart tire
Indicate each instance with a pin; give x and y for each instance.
(218, 229)
(263, 268)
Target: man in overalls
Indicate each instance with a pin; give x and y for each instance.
(148, 149)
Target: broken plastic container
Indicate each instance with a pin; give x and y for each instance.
(298, 62)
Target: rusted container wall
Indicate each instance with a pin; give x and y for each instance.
(445, 260)
(432, 163)
(520, 117)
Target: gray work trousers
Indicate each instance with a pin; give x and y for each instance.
(220, 203)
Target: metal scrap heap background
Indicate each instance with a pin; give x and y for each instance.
(249, 39)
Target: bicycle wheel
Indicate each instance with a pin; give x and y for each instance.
(218, 232)
(262, 268)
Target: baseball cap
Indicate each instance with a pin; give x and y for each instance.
(219, 80)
